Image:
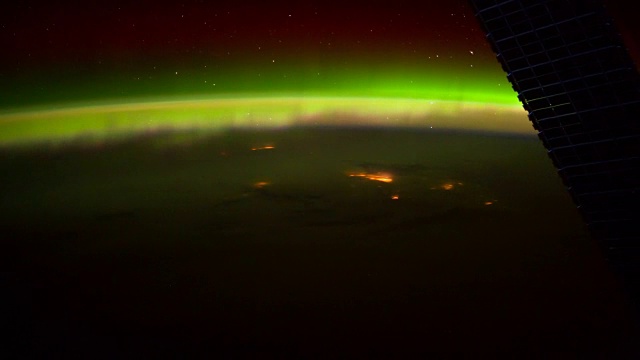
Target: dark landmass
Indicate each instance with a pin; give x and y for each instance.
(156, 247)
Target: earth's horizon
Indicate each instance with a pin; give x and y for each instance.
(109, 120)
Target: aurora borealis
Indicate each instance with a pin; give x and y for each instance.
(310, 60)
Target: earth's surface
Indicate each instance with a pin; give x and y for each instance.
(350, 241)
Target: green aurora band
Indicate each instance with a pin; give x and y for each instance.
(113, 105)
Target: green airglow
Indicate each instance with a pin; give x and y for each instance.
(98, 122)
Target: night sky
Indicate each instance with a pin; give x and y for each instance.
(56, 53)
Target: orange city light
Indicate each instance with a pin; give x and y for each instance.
(447, 187)
(385, 178)
(260, 184)
(268, 147)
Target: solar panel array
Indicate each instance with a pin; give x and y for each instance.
(576, 79)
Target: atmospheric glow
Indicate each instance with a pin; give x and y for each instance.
(108, 121)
